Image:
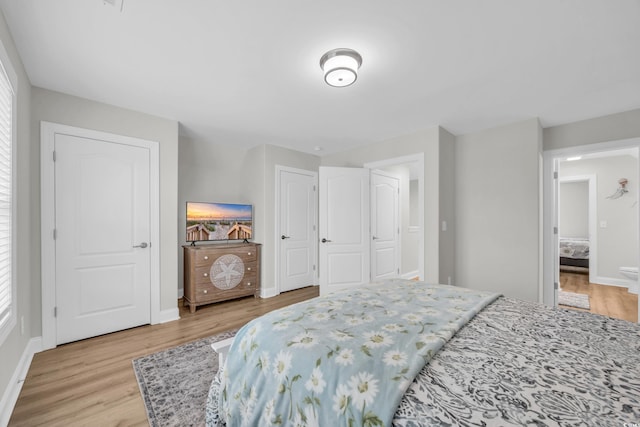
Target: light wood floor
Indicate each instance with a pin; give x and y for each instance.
(92, 383)
(612, 301)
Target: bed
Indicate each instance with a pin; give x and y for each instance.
(574, 254)
(481, 359)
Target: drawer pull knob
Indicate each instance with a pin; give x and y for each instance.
(249, 268)
(248, 253)
(206, 274)
(205, 291)
(206, 257)
(248, 283)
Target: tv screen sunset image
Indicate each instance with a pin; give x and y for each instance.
(218, 221)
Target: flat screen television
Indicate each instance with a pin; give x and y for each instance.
(218, 221)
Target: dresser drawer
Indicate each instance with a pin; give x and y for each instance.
(207, 291)
(207, 257)
(208, 274)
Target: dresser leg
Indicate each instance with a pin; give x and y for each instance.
(192, 308)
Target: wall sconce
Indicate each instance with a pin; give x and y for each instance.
(340, 67)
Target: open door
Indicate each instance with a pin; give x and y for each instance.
(343, 228)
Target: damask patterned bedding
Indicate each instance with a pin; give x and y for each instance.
(514, 363)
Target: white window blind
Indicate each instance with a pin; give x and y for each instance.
(6, 197)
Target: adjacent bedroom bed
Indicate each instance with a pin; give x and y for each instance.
(407, 353)
(574, 254)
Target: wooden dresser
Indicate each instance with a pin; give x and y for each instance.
(220, 272)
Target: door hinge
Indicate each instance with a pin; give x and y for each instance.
(314, 188)
(55, 311)
(398, 271)
(314, 267)
(555, 230)
(54, 156)
(314, 227)
(55, 234)
(555, 174)
(555, 285)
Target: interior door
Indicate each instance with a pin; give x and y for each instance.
(102, 211)
(343, 228)
(297, 225)
(385, 226)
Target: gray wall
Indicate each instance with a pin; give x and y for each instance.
(447, 202)
(573, 209)
(27, 222)
(73, 111)
(618, 241)
(497, 205)
(601, 129)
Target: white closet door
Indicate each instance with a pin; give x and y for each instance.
(297, 242)
(102, 210)
(385, 227)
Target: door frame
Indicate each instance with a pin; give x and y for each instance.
(590, 179)
(419, 160)
(48, 131)
(277, 240)
(547, 293)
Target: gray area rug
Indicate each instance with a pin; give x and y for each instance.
(174, 383)
(571, 299)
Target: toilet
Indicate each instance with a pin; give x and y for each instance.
(629, 272)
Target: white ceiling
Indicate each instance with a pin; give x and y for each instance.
(247, 73)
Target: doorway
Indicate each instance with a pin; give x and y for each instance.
(612, 239)
(345, 214)
(296, 202)
(100, 233)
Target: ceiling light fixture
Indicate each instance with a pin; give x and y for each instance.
(340, 66)
(573, 159)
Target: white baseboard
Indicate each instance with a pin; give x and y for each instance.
(612, 281)
(180, 293)
(10, 396)
(268, 293)
(410, 275)
(168, 315)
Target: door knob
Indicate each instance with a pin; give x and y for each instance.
(375, 238)
(325, 240)
(285, 237)
(142, 245)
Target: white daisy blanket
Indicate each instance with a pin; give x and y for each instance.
(344, 359)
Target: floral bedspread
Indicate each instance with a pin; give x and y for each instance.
(341, 360)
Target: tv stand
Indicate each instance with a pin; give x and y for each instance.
(214, 273)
